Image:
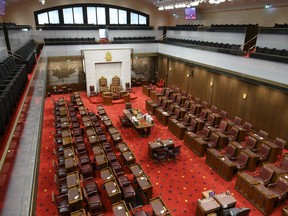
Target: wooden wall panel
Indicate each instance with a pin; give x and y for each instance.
(177, 74)
(227, 95)
(266, 109)
(162, 68)
(199, 84)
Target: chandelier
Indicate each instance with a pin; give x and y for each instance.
(173, 4)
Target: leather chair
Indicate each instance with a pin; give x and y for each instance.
(222, 127)
(263, 152)
(264, 176)
(160, 155)
(236, 212)
(94, 202)
(173, 153)
(92, 91)
(128, 192)
(233, 134)
(114, 89)
(192, 126)
(263, 134)
(230, 151)
(213, 142)
(237, 120)
(280, 143)
(240, 161)
(250, 143)
(125, 121)
(247, 126)
(280, 188)
(61, 203)
(61, 184)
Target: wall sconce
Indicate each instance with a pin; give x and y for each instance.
(244, 96)
(170, 69)
(211, 83)
(190, 74)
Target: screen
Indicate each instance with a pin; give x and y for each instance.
(190, 13)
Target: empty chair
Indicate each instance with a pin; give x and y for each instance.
(212, 143)
(280, 143)
(128, 192)
(160, 155)
(173, 153)
(236, 212)
(264, 176)
(237, 120)
(233, 134)
(240, 161)
(251, 143)
(230, 151)
(92, 91)
(263, 134)
(263, 152)
(94, 203)
(125, 121)
(222, 127)
(61, 203)
(128, 87)
(247, 126)
(279, 188)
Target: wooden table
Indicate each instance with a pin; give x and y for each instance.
(69, 152)
(113, 190)
(128, 157)
(136, 170)
(145, 185)
(70, 164)
(206, 206)
(75, 198)
(101, 161)
(72, 179)
(106, 174)
(120, 209)
(122, 146)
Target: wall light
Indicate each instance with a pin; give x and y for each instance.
(244, 96)
(211, 83)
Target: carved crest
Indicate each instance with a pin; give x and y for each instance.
(108, 56)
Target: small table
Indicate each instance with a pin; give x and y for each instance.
(97, 150)
(122, 146)
(206, 206)
(106, 174)
(136, 170)
(129, 157)
(70, 164)
(72, 179)
(101, 161)
(69, 152)
(226, 200)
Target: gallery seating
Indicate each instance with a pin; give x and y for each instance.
(280, 188)
(264, 175)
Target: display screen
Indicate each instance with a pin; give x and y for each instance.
(2, 7)
(190, 13)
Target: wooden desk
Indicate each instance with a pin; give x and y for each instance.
(108, 123)
(128, 157)
(75, 198)
(263, 199)
(206, 206)
(146, 90)
(90, 132)
(153, 146)
(136, 170)
(113, 190)
(70, 164)
(112, 130)
(93, 140)
(162, 116)
(106, 174)
(258, 138)
(117, 138)
(274, 151)
(199, 146)
(238, 147)
(145, 185)
(67, 141)
(150, 106)
(66, 133)
(241, 133)
(122, 146)
(225, 200)
(120, 209)
(97, 150)
(69, 152)
(225, 168)
(101, 161)
(245, 183)
(158, 206)
(80, 212)
(223, 140)
(212, 157)
(72, 179)
(141, 125)
(252, 161)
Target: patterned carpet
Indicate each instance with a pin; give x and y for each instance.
(179, 184)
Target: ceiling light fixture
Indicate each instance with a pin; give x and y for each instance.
(174, 4)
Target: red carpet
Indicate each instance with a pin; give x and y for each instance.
(179, 184)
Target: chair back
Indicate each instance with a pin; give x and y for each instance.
(189, 97)
(193, 108)
(177, 113)
(264, 150)
(237, 120)
(197, 100)
(103, 82)
(116, 80)
(280, 142)
(266, 173)
(214, 109)
(281, 185)
(187, 104)
(251, 142)
(211, 119)
(176, 150)
(186, 118)
(247, 126)
(230, 150)
(223, 126)
(214, 140)
(263, 134)
(243, 157)
(204, 104)
(284, 164)
(223, 114)
(205, 132)
(193, 124)
(179, 100)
